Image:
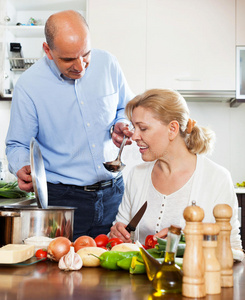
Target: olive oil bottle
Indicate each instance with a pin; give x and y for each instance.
(168, 279)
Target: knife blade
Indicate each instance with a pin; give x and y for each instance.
(134, 222)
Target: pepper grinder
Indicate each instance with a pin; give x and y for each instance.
(212, 265)
(193, 261)
(223, 214)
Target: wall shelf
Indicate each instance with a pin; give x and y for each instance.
(26, 31)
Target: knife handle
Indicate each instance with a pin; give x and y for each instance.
(130, 228)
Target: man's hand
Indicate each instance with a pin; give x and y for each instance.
(121, 129)
(25, 179)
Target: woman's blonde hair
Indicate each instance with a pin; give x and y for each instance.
(168, 105)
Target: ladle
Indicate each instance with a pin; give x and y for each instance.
(116, 165)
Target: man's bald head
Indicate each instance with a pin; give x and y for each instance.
(67, 20)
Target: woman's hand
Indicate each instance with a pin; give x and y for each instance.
(25, 179)
(118, 231)
(161, 234)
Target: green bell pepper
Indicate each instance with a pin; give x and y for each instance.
(109, 259)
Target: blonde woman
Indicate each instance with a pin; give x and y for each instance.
(175, 172)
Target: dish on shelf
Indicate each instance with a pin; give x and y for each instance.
(19, 64)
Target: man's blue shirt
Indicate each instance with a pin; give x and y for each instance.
(69, 118)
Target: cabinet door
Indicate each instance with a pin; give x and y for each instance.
(240, 23)
(191, 44)
(120, 28)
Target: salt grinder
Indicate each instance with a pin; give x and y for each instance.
(193, 262)
(223, 214)
(212, 265)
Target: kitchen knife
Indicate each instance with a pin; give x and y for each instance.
(134, 222)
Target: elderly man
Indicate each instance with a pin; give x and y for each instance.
(69, 101)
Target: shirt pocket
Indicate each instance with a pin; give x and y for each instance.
(107, 109)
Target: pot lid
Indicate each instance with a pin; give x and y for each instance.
(38, 175)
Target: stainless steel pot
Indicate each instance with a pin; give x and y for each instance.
(20, 222)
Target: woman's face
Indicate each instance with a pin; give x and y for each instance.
(150, 134)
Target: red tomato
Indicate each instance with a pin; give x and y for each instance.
(84, 241)
(41, 253)
(149, 242)
(113, 242)
(103, 247)
(101, 240)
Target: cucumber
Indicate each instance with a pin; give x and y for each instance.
(161, 247)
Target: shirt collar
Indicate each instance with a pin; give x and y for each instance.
(54, 68)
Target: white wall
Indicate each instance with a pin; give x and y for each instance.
(228, 124)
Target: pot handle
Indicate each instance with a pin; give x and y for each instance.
(9, 214)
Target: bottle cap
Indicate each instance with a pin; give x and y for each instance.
(175, 229)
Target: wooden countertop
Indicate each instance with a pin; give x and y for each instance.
(44, 280)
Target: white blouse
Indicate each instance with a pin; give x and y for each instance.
(209, 185)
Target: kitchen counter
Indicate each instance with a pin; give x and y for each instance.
(44, 280)
(240, 190)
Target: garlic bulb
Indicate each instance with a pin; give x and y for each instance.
(71, 261)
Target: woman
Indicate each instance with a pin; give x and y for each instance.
(174, 173)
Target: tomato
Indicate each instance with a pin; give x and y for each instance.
(149, 242)
(113, 242)
(41, 253)
(101, 240)
(103, 247)
(84, 241)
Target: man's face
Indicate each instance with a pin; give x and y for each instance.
(71, 53)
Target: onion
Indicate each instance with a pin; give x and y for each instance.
(59, 247)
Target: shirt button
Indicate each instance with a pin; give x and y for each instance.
(161, 211)
(93, 145)
(88, 124)
(162, 204)
(82, 102)
(159, 218)
(156, 231)
(99, 167)
(157, 224)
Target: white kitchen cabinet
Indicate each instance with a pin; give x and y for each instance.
(240, 23)
(180, 44)
(191, 44)
(120, 28)
(30, 37)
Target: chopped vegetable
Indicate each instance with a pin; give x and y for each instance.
(149, 242)
(161, 246)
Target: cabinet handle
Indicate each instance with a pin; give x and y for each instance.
(7, 19)
(188, 79)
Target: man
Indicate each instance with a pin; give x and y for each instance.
(69, 100)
